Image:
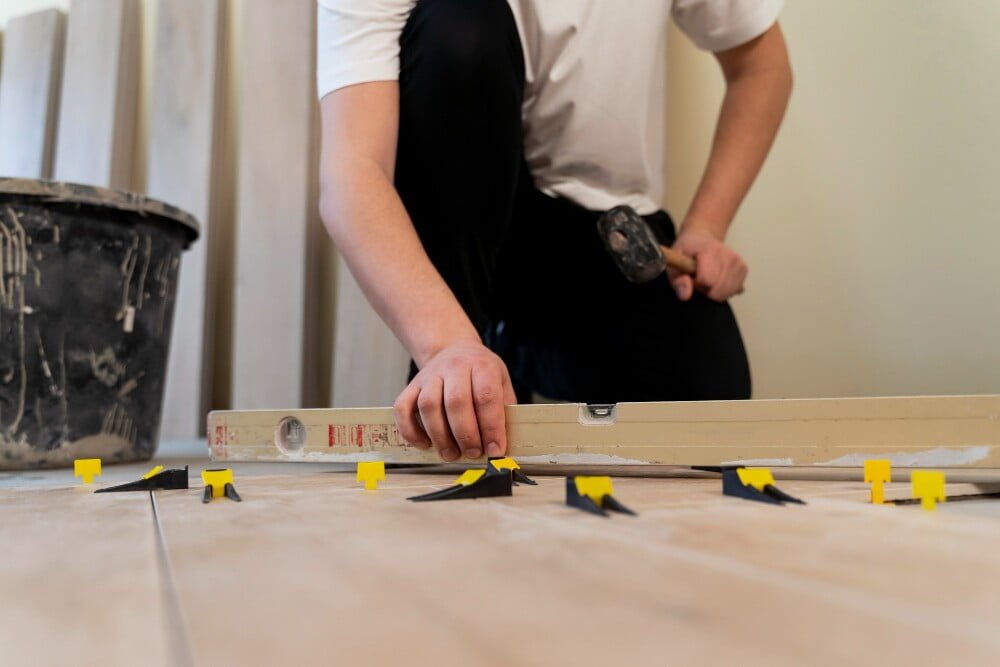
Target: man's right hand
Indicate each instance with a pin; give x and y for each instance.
(456, 403)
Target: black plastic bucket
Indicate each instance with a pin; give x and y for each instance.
(87, 290)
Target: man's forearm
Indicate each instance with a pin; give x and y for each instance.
(456, 402)
(375, 237)
(373, 232)
(758, 86)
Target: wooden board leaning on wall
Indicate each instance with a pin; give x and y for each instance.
(275, 106)
(29, 93)
(97, 108)
(182, 171)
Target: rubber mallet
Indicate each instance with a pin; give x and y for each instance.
(634, 247)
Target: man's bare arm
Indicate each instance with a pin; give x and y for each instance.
(758, 85)
(456, 401)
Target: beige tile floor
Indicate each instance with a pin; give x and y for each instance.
(311, 569)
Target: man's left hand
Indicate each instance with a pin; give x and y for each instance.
(721, 271)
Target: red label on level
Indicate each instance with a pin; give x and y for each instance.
(364, 436)
(345, 434)
(217, 442)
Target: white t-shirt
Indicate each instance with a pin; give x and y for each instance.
(594, 99)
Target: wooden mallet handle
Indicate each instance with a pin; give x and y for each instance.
(682, 262)
(679, 261)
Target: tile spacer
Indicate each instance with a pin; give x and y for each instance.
(929, 487)
(371, 473)
(878, 472)
(87, 469)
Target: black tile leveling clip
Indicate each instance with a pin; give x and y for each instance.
(492, 482)
(593, 494)
(154, 480)
(751, 484)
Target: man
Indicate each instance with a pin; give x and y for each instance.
(469, 147)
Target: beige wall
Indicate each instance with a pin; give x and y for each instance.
(873, 233)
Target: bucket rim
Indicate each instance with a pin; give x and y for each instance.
(123, 200)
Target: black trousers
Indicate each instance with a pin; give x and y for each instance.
(529, 269)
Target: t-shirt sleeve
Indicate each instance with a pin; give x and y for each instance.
(358, 41)
(717, 25)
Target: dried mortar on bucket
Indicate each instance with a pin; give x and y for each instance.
(87, 291)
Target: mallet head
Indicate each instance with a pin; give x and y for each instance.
(631, 244)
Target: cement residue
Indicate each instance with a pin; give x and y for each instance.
(580, 459)
(939, 456)
(330, 457)
(760, 462)
(20, 455)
